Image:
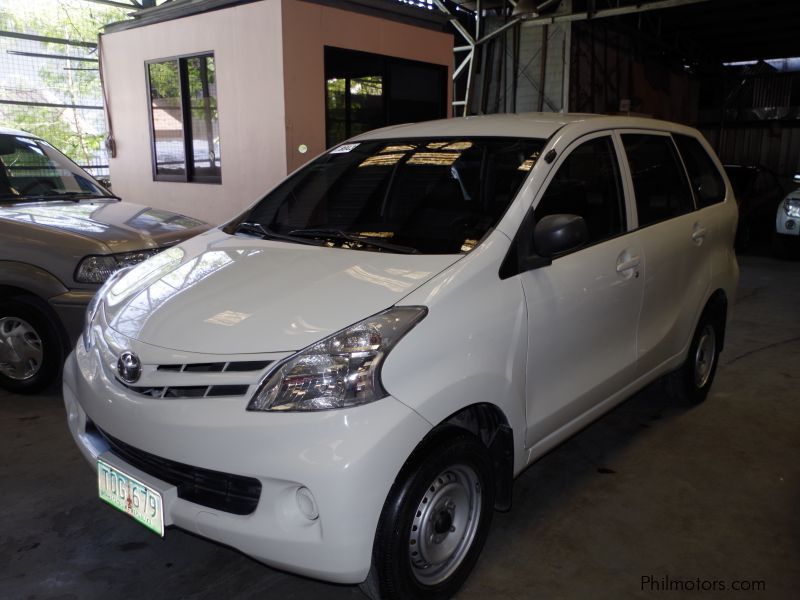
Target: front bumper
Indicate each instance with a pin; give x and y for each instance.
(348, 459)
(786, 225)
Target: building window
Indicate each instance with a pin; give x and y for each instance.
(365, 91)
(184, 119)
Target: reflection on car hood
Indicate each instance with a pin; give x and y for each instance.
(119, 225)
(222, 294)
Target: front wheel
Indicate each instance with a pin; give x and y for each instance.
(30, 346)
(435, 521)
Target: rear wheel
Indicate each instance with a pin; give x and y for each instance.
(435, 521)
(692, 381)
(30, 347)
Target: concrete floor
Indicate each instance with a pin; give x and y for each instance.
(650, 490)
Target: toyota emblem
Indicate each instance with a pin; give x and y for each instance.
(129, 367)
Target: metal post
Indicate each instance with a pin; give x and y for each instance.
(543, 69)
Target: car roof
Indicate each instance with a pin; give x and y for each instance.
(9, 131)
(529, 125)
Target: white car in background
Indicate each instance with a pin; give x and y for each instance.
(345, 381)
(786, 240)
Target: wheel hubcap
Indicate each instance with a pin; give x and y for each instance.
(445, 524)
(20, 349)
(704, 356)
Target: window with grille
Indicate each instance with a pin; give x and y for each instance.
(184, 118)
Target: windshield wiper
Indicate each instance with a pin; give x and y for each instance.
(85, 196)
(338, 234)
(258, 230)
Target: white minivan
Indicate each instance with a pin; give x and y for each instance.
(344, 381)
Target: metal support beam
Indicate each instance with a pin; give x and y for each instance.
(50, 104)
(463, 64)
(609, 12)
(56, 56)
(497, 32)
(46, 39)
(132, 4)
(455, 23)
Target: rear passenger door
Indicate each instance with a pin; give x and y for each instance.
(674, 238)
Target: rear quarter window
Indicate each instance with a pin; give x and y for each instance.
(707, 183)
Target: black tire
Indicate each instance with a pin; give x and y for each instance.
(31, 350)
(446, 489)
(691, 383)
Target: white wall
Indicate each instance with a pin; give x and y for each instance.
(247, 45)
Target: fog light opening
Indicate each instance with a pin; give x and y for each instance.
(790, 224)
(306, 504)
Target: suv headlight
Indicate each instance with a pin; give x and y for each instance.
(98, 268)
(340, 371)
(94, 303)
(791, 206)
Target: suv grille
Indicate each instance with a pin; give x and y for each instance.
(183, 375)
(234, 494)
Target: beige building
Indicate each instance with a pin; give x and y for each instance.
(211, 103)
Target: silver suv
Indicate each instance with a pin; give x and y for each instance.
(61, 235)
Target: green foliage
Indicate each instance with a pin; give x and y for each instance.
(164, 80)
(75, 20)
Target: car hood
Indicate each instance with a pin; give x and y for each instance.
(120, 226)
(222, 294)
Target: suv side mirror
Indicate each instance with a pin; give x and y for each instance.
(555, 234)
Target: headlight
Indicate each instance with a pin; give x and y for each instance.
(94, 303)
(791, 206)
(98, 268)
(340, 371)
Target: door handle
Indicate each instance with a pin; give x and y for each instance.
(627, 265)
(699, 234)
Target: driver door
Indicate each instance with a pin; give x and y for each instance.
(583, 309)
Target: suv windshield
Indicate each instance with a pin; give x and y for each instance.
(429, 196)
(32, 169)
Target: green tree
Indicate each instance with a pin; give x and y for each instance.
(69, 82)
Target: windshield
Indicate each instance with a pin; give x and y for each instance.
(32, 168)
(429, 196)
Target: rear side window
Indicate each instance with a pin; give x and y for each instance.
(659, 181)
(707, 183)
(587, 184)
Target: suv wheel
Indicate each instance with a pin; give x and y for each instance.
(435, 521)
(30, 347)
(692, 381)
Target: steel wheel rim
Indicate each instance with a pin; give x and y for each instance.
(704, 356)
(20, 349)
(445, 523)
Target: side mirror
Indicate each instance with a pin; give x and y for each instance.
(105, 182)
(555, 234)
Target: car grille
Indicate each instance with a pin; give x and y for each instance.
(233, 494)
(186, 371)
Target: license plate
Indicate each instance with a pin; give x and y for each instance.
(131, 496)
